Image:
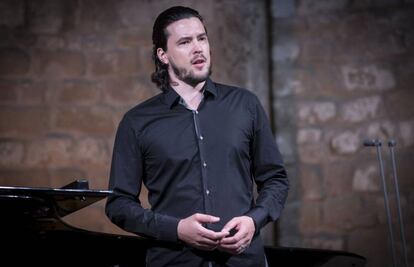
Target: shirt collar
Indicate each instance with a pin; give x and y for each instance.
(172, 98)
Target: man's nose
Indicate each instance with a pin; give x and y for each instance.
(197, 47)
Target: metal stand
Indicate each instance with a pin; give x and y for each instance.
(391, 145)
(378, 145)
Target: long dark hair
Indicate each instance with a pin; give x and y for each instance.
(159, 40)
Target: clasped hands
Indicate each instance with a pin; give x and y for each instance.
(191, 231)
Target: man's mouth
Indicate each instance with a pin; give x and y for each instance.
(198, 62)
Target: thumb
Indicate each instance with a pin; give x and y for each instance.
(204, 218)
(230, 225)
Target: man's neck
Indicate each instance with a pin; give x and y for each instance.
(192, 95)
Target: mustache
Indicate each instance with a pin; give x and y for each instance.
(198, 58)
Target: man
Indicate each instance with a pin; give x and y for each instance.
(198, 147)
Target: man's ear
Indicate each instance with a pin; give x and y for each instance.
(162, 56)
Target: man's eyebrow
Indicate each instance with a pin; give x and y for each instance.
(185, 38)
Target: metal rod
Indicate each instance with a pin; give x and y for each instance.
(391, 145)
(386, 201)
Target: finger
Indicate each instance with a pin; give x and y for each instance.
(204, 218)
(208, 242)
(230, 225)
(234, 246)
(241, 234)
(213, 235)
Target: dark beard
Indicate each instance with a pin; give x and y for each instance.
(189, 77)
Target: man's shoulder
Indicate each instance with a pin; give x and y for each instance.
(145, 107)
(231, 90)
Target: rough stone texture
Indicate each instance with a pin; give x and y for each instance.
(317, 112)
(366, 179)
(361, 109)
(11, 153)
(341, 71)
(13, 62)
(347, 142)
(347, 68)
(367, 78)
(69, 70)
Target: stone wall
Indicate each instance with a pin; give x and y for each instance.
(343, 72)
(70, 69)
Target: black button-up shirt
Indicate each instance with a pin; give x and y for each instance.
(202, 161)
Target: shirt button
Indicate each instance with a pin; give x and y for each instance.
(208, 192)
(204, 164)
(201, 137)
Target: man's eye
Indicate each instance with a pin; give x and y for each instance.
(184, 42)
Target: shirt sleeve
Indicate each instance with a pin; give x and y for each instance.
(123, 208)
(268, 171)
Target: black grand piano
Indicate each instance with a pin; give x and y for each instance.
(34, 234)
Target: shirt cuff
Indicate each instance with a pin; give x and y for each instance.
(259, 216)
(167, 228)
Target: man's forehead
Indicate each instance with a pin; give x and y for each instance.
(185, 27)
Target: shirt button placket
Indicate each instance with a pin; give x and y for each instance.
(202, 157)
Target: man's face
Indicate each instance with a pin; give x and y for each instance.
(188, 51)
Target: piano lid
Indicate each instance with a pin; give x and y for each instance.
(34, 205)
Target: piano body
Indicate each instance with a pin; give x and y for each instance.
(33, 232)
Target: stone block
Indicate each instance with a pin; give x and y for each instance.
(56, 64)
(372, 243)
(346, 142)
(127, 91)
(337, 179)
(45, 16)
(24, 122)
(307, 7)
(99, 17)
(285, 50)
(311, 183)
(60, 177)
(286, 144)
(400, 103)
(310, 218)
(79, 92)
(346, 213)
(50, 152)
(290, 81)
(135, 39)
(33, 93)
(11, 153)
(308, 135)
(8, 91)
(35, 177)
(133, 14)
(91, 151)
(382, 130)
(324, 243)
(361, 109)
(366, 179)
(369, 77)
(315, 112)
(406, 129)
(128, 63)
(285, 112)
(14, 62)
(102, 64)
(312, 153)
(93, 120)
(11, 13)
